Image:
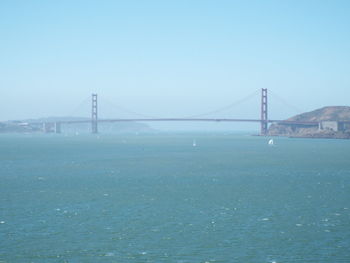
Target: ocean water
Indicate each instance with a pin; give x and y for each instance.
(156, 198)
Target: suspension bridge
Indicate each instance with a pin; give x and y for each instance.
(264, 121)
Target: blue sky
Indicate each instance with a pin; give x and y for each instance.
(172, 58)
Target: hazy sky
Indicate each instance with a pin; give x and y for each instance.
(172, 58)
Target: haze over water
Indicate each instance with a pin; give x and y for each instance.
(156, 198)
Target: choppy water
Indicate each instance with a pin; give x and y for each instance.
(159, 199)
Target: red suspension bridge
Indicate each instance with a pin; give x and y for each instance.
(264, 121)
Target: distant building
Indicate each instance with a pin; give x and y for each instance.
(329, 125)
(334, 126)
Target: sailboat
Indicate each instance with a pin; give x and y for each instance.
(271, 142)
(194, 144)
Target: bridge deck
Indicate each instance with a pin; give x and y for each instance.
(310, 123)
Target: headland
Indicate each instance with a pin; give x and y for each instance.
(334, 123)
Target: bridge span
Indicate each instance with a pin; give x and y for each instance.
(56, 126)
(309, 123)
(263, 121)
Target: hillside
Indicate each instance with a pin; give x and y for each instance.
(333, 119)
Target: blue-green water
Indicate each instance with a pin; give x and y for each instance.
(149, 198)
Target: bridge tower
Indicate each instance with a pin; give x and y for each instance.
(264, 121)
(94, 126)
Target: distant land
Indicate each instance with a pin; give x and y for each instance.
(29, 126)
(334, 123)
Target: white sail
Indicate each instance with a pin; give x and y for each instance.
(194, 144)
(271, 142)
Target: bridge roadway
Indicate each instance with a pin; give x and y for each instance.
(309, 123)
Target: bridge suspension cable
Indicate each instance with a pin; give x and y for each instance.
(230, 106)
(221, 109)
(77, 108)
(284, 102)
(123, 109)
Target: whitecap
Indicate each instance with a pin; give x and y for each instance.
(109, 254)
(2, 222)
